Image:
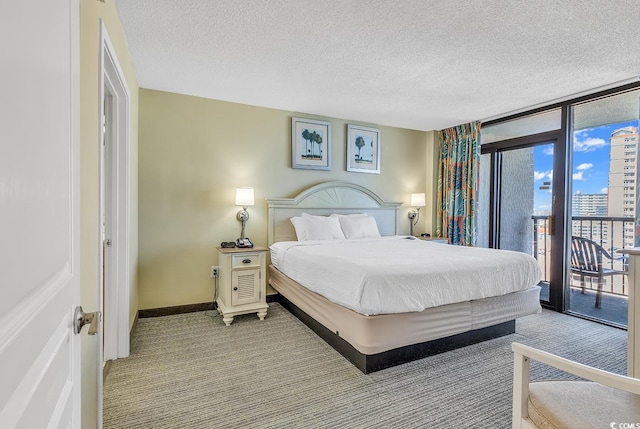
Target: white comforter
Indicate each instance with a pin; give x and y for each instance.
(398, 275)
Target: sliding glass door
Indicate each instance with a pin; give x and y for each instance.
(526, 189)
(524, 216)
(562, 185)
(520, 189)
(604, 142)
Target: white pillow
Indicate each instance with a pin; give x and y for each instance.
(321, 228)
(361, 226)
(299, 226)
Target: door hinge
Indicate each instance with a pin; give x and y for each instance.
(81, 318)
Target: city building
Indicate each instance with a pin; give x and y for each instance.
(589, 205)
(622, 181)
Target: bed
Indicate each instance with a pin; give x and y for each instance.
(370, 322)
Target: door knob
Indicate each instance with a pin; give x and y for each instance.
(81, 318)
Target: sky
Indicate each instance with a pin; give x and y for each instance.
(590, 167)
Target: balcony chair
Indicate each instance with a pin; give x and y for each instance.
(587, 261)
(597, 402)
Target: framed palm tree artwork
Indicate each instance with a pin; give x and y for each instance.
(363, 149)
(310, 144)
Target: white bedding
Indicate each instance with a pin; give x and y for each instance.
(399, 275)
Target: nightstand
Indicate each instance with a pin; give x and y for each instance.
(440, 240)
(243, 282)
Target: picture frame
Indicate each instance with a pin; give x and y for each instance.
(363, 149)
(310, 144)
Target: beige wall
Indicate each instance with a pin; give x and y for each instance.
(194, 152)
(90, 13)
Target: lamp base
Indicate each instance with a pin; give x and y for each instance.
(413, 215)
(243, 216)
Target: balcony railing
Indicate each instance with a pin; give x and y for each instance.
(612, 233)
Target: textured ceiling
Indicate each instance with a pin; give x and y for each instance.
(413, 64)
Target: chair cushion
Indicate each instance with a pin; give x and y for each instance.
(580, 404)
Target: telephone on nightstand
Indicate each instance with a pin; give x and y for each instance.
(243, 242)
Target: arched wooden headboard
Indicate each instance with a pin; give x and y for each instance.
(327, 198)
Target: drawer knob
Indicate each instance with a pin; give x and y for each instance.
(235, 288)
(246, 261)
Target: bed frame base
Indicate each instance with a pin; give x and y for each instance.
(371, 363)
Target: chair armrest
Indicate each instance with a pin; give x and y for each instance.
(625, 261)
(628, 384)
(622, 258)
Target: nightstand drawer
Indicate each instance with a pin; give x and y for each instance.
(245, 260)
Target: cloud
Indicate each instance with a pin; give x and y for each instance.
(548, 150)
(539, 175)
(604, 190)
(581, 169)
(584, 143)
(584, 166)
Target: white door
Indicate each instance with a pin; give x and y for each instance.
(39, 214)
(114, 201)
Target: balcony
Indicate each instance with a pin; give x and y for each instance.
(612, 233)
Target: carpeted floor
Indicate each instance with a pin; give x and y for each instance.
(191, 371)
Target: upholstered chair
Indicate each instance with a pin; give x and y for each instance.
(601, 400)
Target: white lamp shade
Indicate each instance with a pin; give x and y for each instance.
(418, 200)
(244, 197)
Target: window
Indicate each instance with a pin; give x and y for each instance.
(601, 133)
(524, 126)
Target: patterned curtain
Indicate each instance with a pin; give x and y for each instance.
(458, 184)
